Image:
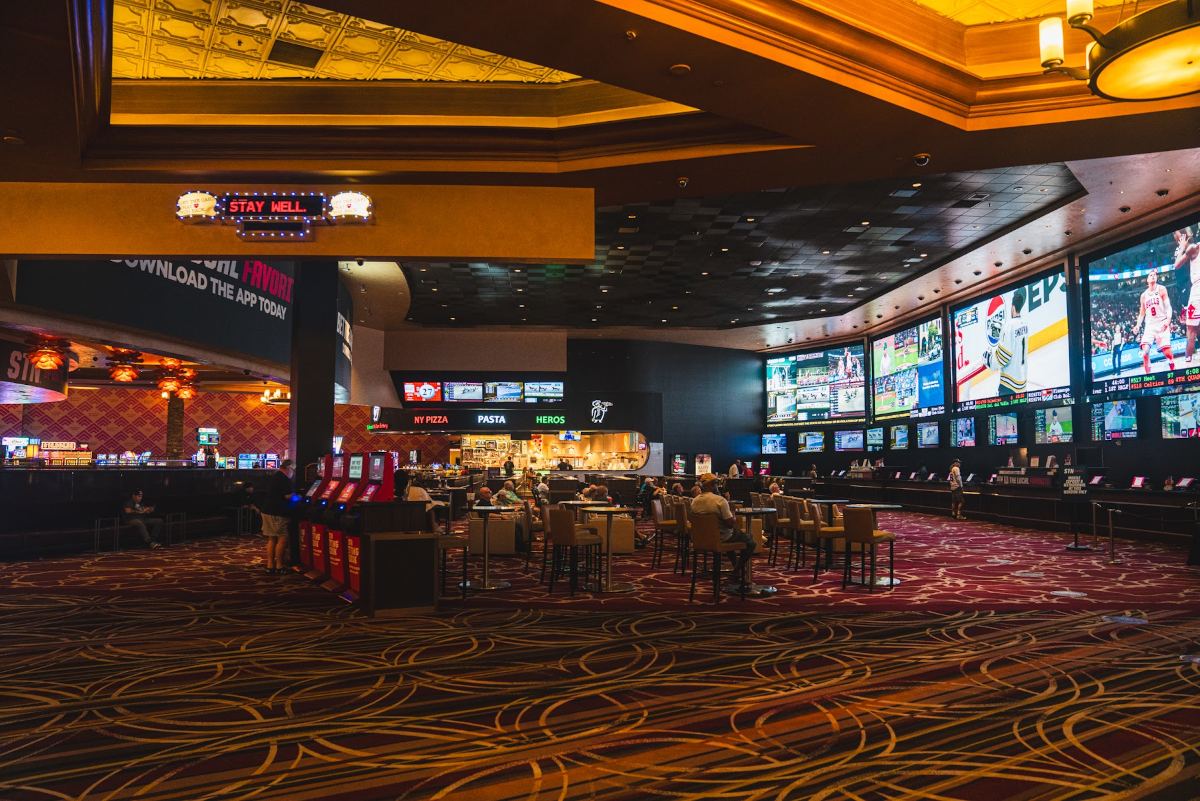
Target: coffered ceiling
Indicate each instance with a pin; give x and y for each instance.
(746, 259)
(983, 12)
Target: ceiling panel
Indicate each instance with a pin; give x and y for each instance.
(746, 259)
(983, 12)
(236, 39)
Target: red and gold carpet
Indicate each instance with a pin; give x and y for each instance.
(187, 674)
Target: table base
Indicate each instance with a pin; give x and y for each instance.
(880, 581)
(615, 586)
(482, 585)
(752, 590)
(1079, 547)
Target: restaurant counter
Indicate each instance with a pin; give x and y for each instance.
(53, 510)
(1140, 514)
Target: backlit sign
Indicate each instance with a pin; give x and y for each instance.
(491, 419)
(273, 215)
(550, 419)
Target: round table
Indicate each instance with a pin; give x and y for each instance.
(751, 512)
(487, 583)
(577, 506)
(880, 581)
(608, 585)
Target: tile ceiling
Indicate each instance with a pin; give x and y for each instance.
(250, 39)
(983, 12)
(745, 259)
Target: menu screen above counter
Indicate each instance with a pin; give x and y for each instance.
(429, 390)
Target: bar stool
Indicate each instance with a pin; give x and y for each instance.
(860, 530)
(444, 544)
(682, 535)
(782, 528)
(566, 539)
(175, 521)
(706, 539)
(103, 525)
(662, 525)
(828, 535)
(804, 522)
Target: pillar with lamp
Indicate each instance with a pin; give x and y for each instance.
(1153, 55)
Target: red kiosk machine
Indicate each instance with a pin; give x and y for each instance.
(316, 563)
(370, 480)
(309, 503)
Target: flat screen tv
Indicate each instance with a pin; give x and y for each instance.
(1140, 298)
(813, 387)
(1002, 429)
(928, 435)
(1114, 420)
(422, 391)
(774, 443)
(1052, 425)
(1181, 416)
(899, 437)
(848, 440)
(875, 439)
(502, 391)
(1011, 346)
(463, 391)
(356, 468)
(906, 372)
(962, 431)
(812, 442)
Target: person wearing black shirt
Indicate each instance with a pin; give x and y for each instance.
(138, 516)
(563, 464)
(274, 506)
(509, 467)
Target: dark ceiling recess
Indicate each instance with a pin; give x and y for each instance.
(703, 262)
(296, 55)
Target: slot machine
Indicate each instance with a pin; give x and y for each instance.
(318, 514)
(376, 485)
(308, 503)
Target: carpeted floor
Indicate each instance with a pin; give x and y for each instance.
(186, 674)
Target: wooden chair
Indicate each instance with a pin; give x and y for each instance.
(861, 531)
(447, 542)
(783, 527)
(663, 525)
(804, 522)
(683, 534)
(706, 539)
(533, 527)
(827, 536)
(566, 540)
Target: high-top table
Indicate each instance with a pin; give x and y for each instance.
(880, 581)
(751, 512)
(487, 583)
(607, 584)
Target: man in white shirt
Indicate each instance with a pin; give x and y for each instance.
(1154, 308)
(1011, 351)
(708, 502)
(735, 469)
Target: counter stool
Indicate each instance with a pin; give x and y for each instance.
(861, 531)
(567, 538)
(827, 536)
(446, 542)
(706, 539)
(662, 524)
(804, 524)
(104, 525)
(175, 521)
(782, 528)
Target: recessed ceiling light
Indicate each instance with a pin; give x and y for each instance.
(603, 290)
(916, 185)
(865, 222)
(593, 319)
(704, 273)
(517, 270)
(860, 289)
(520, 290)
(631, 216)
(620, 247)
(824, 252)
(924, 255)
(423, 269)
(822, 310)
(453, 318)
(662, 321)
(749, 219)
(724, 250)
(775, 290)
(521, 305)
(433, 289)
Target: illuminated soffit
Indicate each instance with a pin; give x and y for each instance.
(983, 12)
(244, 39)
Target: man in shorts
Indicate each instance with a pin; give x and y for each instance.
(956, 490)
(274, 507)
(1154, 308)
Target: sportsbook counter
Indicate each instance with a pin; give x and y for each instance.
(1140, 514)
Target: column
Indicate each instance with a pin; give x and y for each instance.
(314, 349)
(175, 446)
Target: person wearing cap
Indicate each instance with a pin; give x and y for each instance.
(956, 491)
(274, 508)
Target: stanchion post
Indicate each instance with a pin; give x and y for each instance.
(1112, 543)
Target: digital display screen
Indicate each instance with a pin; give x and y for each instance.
(928, 435)
(1052, 425)
(899, 437)
(848, 440)
(774, 443)
(1141, 300)
(875, 439)
(375, 473)
(812, 442)
(816, 386)
(502, 392)
(1114, 420)
(1181, 416)
(906, 372)
(703, 463)
(570, 436)
(962, 430)
(543, 389)
(208, 436)
(1011, 347)
(678, 464)
(356, 466)
(1002, 429)
(422, 391)
(463, 391)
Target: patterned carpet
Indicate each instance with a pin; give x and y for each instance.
(186, 674)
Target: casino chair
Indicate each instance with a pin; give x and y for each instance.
(446, 543)
(782, 527)
(804, 521)
(706, 539)
(533, 526)
(827, 537)
(860, 530)
(662, 525)
(567, 539)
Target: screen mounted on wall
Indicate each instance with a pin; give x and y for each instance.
(1114, 420)
(1143, 313)
(816, 386)
(906, 372)
(848, 440)
(963, 432)
(875, 439)
(422, 391)
(1181, 416)
(1052, 425)
(774, 443)
(1002, 429)
(812, 442)
(1011, 346)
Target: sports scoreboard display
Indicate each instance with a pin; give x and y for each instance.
(816, 386)
(1181, 416)
(906, 372)
(1011, 347)
(1143, 320)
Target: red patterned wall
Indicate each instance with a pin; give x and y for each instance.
(113, 420)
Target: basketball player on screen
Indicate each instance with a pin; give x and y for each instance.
(1187, 251)
(1155, 310)
(1011, 351)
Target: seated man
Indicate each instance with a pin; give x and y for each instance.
(483, 496)
(138, 516)
(507, 496)
(709, 502)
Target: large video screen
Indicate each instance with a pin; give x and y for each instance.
(456, 391)
(928, 435)
(422, 391)
(906, 375)
(1114, 420)
(1002, 429)
(774, 443)
(899, 437)
(1181, 416)
(963, 432)
(1011, 346)
(848, 440)
(804, 388)
(875, 439)
(1052, 425)
(1144, 314)
(812, 442)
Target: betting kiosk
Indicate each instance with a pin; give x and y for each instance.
(317, 563)
(308, 503)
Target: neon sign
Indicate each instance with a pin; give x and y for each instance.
(273, 215)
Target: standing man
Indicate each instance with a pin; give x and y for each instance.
(1118, 342)
(956, 491)
(274, 507)
(1187, 251)
(1011, 351)
(735, 469)
(509, 467)
(1155, 309)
